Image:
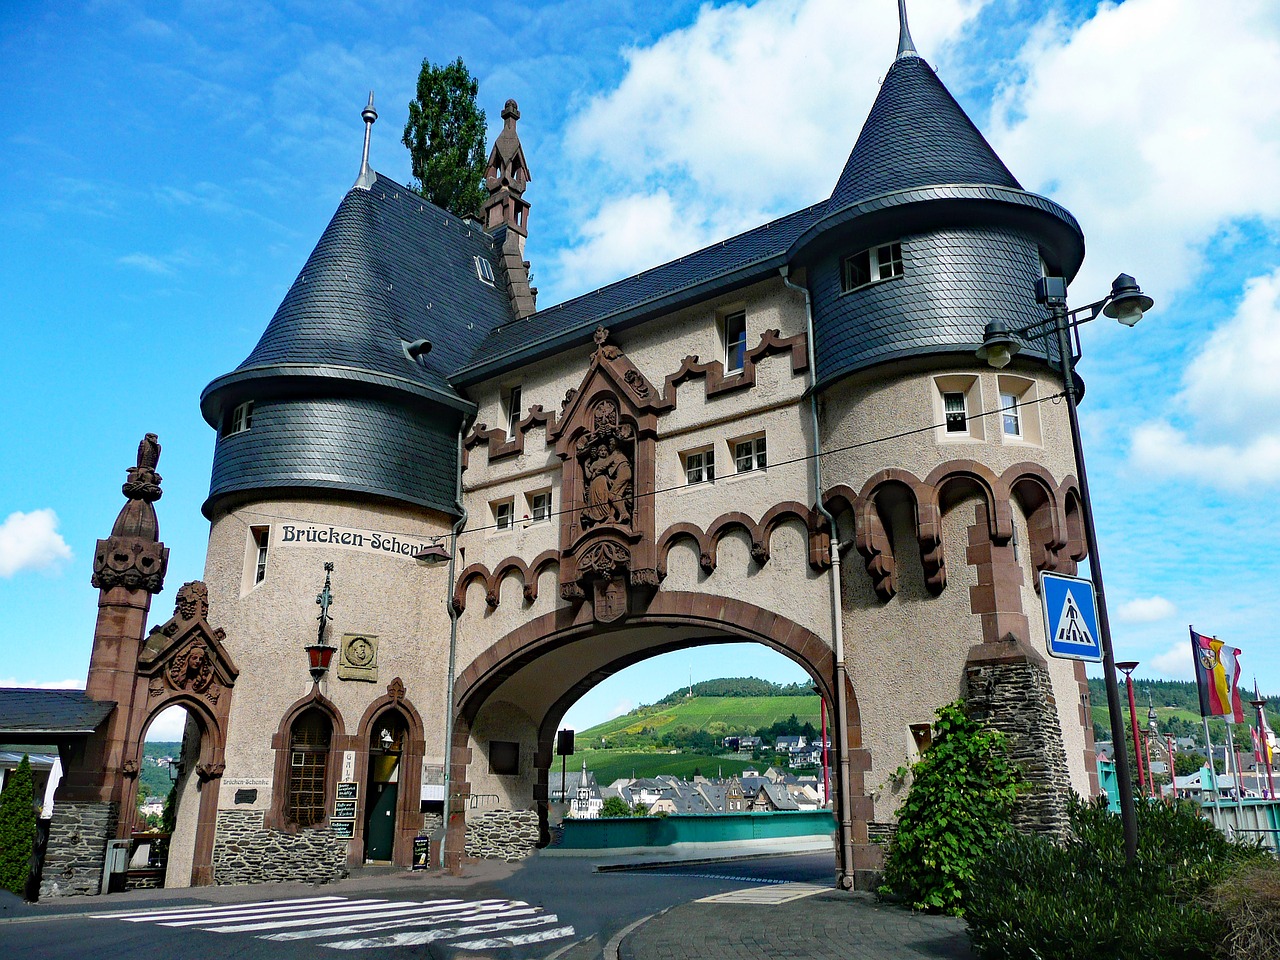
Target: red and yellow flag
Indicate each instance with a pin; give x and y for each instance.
(1218, 678)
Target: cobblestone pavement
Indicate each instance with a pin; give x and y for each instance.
(827, 926)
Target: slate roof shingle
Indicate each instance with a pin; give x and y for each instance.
(26, 711)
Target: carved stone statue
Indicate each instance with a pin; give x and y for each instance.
(608, 479)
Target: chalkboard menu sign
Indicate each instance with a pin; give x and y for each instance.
(422, 853)
(344, 810)
(344, 829)
(348, 790)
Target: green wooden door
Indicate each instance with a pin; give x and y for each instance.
(380, 830)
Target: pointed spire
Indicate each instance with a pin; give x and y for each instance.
(369, 115)
(906, 48)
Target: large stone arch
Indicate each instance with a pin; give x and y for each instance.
(725, 619)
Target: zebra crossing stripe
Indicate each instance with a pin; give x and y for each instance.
(516, 940)
(178, 912)
(413, 917)
(418, 937)
(279, 917)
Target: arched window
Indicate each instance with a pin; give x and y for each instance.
(308, 764)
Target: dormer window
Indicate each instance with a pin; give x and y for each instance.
(484, 270)
(871, 266)
(240, 419)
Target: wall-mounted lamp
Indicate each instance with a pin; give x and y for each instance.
(320, 654)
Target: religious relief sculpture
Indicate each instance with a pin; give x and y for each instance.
(606, 457)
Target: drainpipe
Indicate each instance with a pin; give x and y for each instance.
(463, 427)
(845, 880)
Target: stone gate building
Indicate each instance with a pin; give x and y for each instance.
(783, 438)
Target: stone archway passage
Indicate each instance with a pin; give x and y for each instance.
(712, 619)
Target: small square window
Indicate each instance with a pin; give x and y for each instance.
(957, 417)
(749, 454)
(735, 341)
(872, 265)
(699, 466)
(1010, 417)
(240, 420)
(504, 757)
(540, 506)
(503, 514)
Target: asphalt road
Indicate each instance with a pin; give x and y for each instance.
(544, 907)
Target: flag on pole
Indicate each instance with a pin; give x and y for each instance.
(1257, 745)
(1218, 678)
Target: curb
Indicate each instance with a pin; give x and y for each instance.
(615, 942)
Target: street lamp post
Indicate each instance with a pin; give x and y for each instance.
(1127, 668)
(1126, 303)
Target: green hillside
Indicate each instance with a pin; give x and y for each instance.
(718, 716)
(1177, 706)
(611, 765)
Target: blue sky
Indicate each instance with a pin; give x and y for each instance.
(168, 167)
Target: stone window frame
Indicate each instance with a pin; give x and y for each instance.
(970, 385)
(756, 455)
(532, 497)
(503, 511)
(277, 816)
(1025, 392)
(705, 466)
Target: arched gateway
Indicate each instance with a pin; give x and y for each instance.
(546, 665)
(785, 437)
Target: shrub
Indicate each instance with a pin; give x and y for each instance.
(615, 807)
(17, 828)
(1247, 902)
(959, 804)
(1038, 899)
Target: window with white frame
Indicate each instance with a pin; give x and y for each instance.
(540, 506)
(1010, 418)
(511, 409)
(957, 416)
(749, 454)
(484, 270)
(871, 266)
(261, 540)
(699, 465)
(240, 419)
(735, 341)
(503, 514)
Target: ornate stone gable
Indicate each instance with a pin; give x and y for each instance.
(186, 657)
(606, 440)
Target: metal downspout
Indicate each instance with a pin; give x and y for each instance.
(845, 880)
(453, 641)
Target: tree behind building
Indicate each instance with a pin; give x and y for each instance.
(445, 135)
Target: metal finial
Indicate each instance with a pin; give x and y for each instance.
(906, 48)
(369, 115)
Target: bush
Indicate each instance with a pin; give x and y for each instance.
(615, 807)
(17, 828)
(1247, 902)
(1038, 899)
(959, 804)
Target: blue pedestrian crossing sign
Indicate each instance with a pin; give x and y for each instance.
(1070, 617)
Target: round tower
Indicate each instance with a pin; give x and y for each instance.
(967, 491)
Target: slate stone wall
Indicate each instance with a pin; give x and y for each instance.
(77, 848)
(246, 852)
(509, 835)
(1015, 696)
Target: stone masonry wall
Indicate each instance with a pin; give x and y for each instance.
(77, 848)
(509, 835)
(1017, 699)
(246, 852)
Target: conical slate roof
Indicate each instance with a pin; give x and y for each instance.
(389, 269)
(916, 136)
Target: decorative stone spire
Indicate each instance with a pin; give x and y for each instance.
(370, 116)
(906, 48)
(506, 212)
(133, 556)
(506, 177)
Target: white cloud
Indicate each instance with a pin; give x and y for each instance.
(169, 725)
(145, 261)
(747, 113)
(1146, 610)
(1175, 663)
(46, 685)
(1156, 124)
(30, 541)
(1231, 399)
